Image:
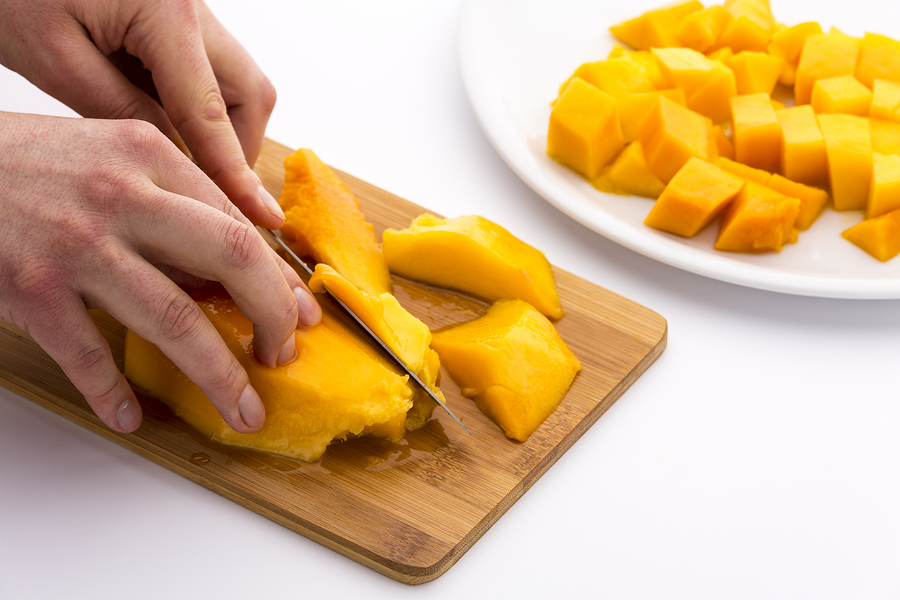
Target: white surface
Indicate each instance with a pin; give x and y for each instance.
(514, 55)
(759, 457)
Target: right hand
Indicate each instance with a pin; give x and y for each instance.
(92, 214)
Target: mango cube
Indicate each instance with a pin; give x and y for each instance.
(841, 95)
(885, 135)
(615, 76)
(753, 21)
(885, 100)
(584, 131)
(812, 199)
(512, 363)
(879, 59)
(629, 174)
(756, 72)
(645, 59)
(655, 28)
(884, 187)
(701, 30)
(879, 236)
(849, 149)
(788, 43)
(743, 171)
(722, 55)
(635, 109)
(758, 220)
(803, 158)
(694, 197)
(824, 55)
(757, 134)
(723, 142)
(707, 84)
(672, 135)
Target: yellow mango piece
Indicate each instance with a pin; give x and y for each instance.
(475, 256)
(759, 219)
(885, 100)
(879, 59)
(776, 105)
(757, 134)
(884, 186)
(408, 337)
(756, 72)
(879, 236)
(788, 43)
(584, 131)
(694, 197)
(849, 149)
(885, 135)
(629, 174)
(824, 55)
(803, 158)
(615, 76)
(702, 29)
(751, 27)
(723, 143)
(743, 171)
(722, 55)
(707, 84)
(841, 95)
(323, 220)
(635, 109)
(337, 388)
(714, 100)
(672, 135)
(645, 59)
(655, 28)
(812, 199)
(512, 363)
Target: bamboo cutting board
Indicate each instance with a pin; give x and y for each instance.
(407, 510)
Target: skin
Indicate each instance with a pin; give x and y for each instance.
(110, 212)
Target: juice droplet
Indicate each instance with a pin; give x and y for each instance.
(199, 458)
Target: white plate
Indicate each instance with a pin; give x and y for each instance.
(515, 53)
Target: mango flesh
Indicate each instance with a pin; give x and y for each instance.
(655, 28)
(475, 256)
(408, 337)
(707, 84)
(879, 236)
(824, 55)
(756, 72)
(849, 148)
(634, 109)
(672, 135)
(323, 220)
(804, 158)
(336, 388)
(629, 174)
(884, 187)
(758, 220)
(512, 363)
(885, 100)
(757, 134)
(841, 95)
(879, 59)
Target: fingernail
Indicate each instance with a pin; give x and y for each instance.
(253, 413)
(288, 351)
(270, 202)
(129, 415)
(309, 312)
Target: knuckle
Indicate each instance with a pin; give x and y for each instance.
(127, 109)
(179, 319)
(267, 95)
(228, 380)
(243, 246)
(89, 359)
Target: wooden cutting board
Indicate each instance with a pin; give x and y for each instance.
(407, 510)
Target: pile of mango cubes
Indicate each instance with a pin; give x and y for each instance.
(687, 117)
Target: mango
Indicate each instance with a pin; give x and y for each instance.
(756, 72)
(743, 171)
(757, 134)
(323, 220)
(841, 95)
(804, 158)
(723, 142)
(812, 199)
(824, 55)
(655, 28)
(701, 30)
(629, 174)
(337, 388)
(759, 219)
(849, 149)
(750, 29)
(512, 363)
(884, 186)
(788, 43)
(673, 134)
(408, 337)
(615, 76)
(879, 59)
(634, 109)
(475, 256)
(879, 236)
(885, 100)
(646, 59)
(584, 132)
(694, 197)
(885, 135)
(708, 85)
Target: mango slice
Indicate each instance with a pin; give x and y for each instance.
(757, 134)
(512, 363)
(824, 55)
(672, 135)
(758, 220)
(880, 236)
(584, 131)
(338, 387)
(475, 256)
(408, 337)
(841, 95)
(884, 187)
(849, 148)
(694, 197)
(788, 44)
(323, 220)
(804, 158)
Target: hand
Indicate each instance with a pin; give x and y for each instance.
(211, 93)
(92, 213)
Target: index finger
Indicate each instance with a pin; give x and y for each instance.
(168, 40)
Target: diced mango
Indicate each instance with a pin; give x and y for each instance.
(824, 55)
(646, 59)
(722, 55)
(655, 28)
(884, 187)
(879, 59)
(788, 43)
(584, 131)
(672, 135)
(743, 171)
(849, 149)
(776, 105)
(879, 236)
(841, 95)
(707, 84)
(757, 134)
(694, 197)
(756, 72)
(723, 142)
(812, 199)
(885, 100)
(635, 109)
(803, 158)
(885, 135)
(629, 174)
(714, 100)
(512, 363)
(615, 76)
(750, 29)
(759, 219)
(701, 30)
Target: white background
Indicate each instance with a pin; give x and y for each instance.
(759, 457)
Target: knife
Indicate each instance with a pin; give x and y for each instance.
(302, 264)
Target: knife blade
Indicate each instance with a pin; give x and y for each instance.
(302, 264)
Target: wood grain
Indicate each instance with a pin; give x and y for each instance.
(407, 510)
